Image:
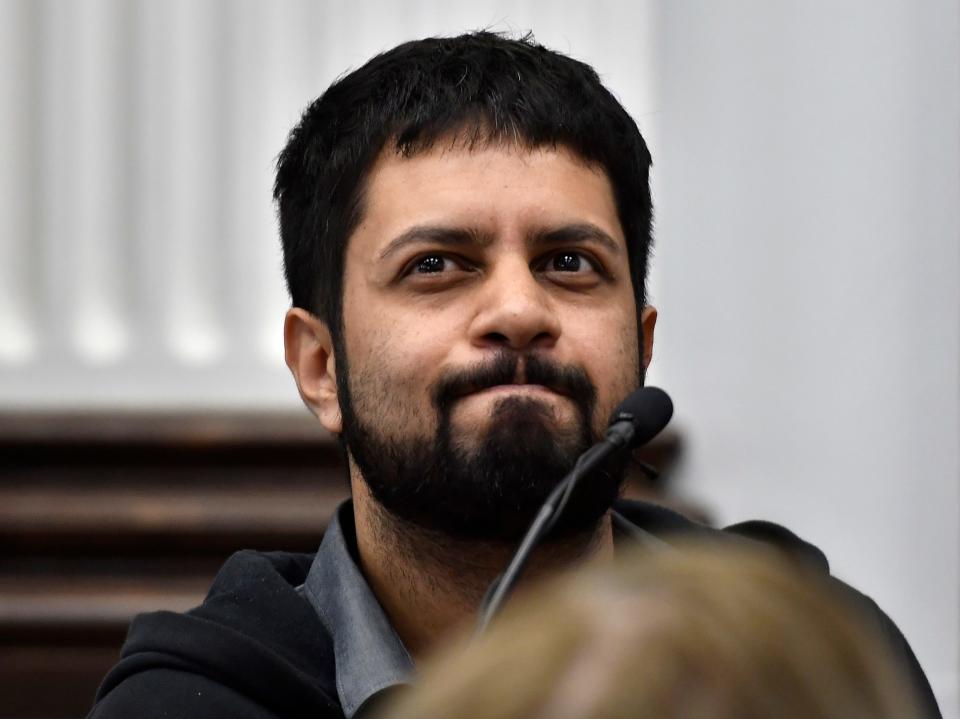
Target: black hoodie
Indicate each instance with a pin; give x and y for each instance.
(256, 649)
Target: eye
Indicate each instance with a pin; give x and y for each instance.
(570, 262)
(433, 264)
(436, 269)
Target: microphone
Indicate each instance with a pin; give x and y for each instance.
(635, 421)
(640, 417)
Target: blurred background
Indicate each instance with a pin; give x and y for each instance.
(807, 273)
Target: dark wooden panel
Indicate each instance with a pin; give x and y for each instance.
(159, 428)
(38, 606)
(52, 681)
(153, 513)
(105, 515)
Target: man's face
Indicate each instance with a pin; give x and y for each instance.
(489, 324)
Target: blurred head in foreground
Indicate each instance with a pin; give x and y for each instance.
(703, 632)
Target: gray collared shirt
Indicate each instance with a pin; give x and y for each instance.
(369, 656)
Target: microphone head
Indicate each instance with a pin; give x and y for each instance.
(648, 410)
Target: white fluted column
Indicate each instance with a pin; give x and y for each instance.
(263, 42)
(181, 110)
(99, 191)
(53, 247)
(18, 175)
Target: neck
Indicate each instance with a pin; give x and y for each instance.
(429, 583)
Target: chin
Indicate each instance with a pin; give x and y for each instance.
(515, 418)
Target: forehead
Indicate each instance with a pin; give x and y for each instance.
(497, 188)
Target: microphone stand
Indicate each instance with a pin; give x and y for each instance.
(644, 412)
(617, 437)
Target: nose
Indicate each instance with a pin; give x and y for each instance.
(515, 310)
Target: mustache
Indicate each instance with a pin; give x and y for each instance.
(567, 379)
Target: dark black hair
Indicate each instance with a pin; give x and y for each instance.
(483, 87)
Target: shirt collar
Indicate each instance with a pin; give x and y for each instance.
(369, 656)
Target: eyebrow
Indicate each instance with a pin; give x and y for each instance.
(460, 236)
(576, 232)
(436, 235)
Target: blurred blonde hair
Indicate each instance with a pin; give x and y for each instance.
(714, 632)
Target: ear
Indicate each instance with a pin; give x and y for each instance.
(308, 348)
(648, 319)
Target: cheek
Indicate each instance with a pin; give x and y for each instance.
(614, 363)
(390, 359)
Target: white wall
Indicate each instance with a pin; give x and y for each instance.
(808, 273)
(807, 268)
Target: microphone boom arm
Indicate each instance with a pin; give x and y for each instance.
(542, 524)
(639, 417)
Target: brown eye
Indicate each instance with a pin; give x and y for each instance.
(430, 264)
(566, 262)
(570, 262)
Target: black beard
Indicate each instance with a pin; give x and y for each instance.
(494, 491)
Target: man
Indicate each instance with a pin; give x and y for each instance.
(466, 227)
